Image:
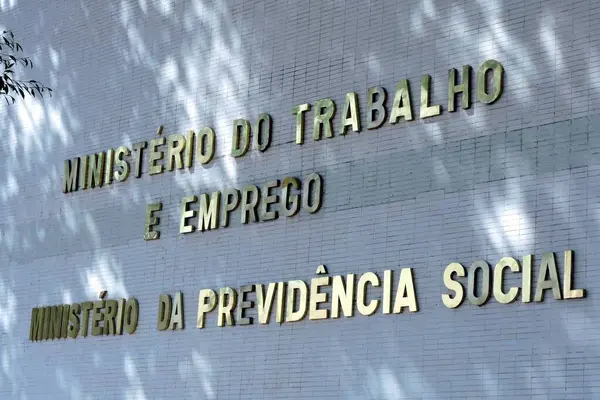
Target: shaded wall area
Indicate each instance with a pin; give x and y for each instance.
(520, 176)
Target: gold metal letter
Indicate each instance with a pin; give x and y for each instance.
(486, 283)
(208, 217)
(569, 293)
(164, 312)
(302, 303)
(290, 199)
(47, 323)
(120, 313)
(188, 156)
(401, 107)
(250, 197)
(187, 214)
(175, 146)
(312, 189)
(281, 289)
(405, 296)
(426, 109)
(376, 107)
(131, 314)
(110, 314)
(152, 221)
(268, 199)
(350, 115)
(342, 296)
(95, 173)
(513, 292)
(177, 313)
(323, 118)
(227, 302)
(64, 330)
(83, 172)
(456, 300)
(265, 303)
(155, 156)
(71, 175)
(139, 150)
(123, 172)
(240, 141)
(263, 128)
(206, 145)
(526, 278)
(204, 306)
(243, 305)
(231, 199)
(361, 296)
(548, 266)
(387, 291)
(299, 111)
(97, 317)
(498, 79)
(74, 320)
(86, 306)
(37, 324)
(317, 297)
(110, 161)
(464, 88)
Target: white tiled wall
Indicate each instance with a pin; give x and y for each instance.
(520, 176)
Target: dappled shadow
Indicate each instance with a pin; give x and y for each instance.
(516, 177)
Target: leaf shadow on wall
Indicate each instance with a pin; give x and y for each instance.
(489, 181)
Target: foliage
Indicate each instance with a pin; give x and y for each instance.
(10, 57)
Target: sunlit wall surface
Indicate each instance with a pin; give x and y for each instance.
(520, 176)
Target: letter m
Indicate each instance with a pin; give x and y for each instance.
(70, 176)
(36, 328)
(208, 217)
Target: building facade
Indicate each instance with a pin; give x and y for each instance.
(320, 200)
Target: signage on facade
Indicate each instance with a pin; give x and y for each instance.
(324, 297)
(279, 197)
